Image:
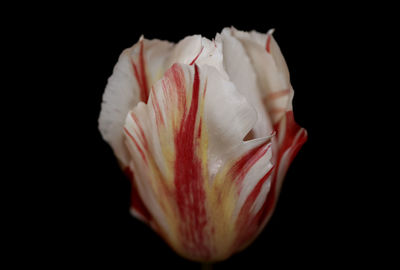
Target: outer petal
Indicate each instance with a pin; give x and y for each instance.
(203, 186)
(271, 69)
(275, 88)
(136, 70)
(273, 76)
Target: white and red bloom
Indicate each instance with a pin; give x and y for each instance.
(205, 131)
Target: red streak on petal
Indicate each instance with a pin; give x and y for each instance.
(144, 94)
(269, 203)
(297, 146)
(246, 162)
(141, 132)
(140, 75)
(136, 144)
(199, 130)
(256, 191)
(178, 78)
(175, 86)
(292, 128)
(157, 110)
(136, 73)
(289, 144)
(197, 56)
(277, 94)
(248, 223)
(276, 110)
(268, 45)
(136, 201)
(190, 194)
(205, 89)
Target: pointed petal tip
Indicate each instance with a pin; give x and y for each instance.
(271, 31)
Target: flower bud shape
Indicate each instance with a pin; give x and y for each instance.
(205, 131)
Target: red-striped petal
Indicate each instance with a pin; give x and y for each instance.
(191, 165)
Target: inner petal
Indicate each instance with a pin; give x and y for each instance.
(242, 74)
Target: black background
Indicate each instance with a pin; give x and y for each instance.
(319, 220)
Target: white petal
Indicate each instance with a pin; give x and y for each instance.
(243, 75)
(122, 92)
(184, 51)
(229, 118)
(197, 50)
(271, 69)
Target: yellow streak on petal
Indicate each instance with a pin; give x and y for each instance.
(168, 151)
(221, 200)
(203, 141)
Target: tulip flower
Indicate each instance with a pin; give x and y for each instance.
(205, 131)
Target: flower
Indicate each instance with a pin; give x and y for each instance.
(205, 131)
